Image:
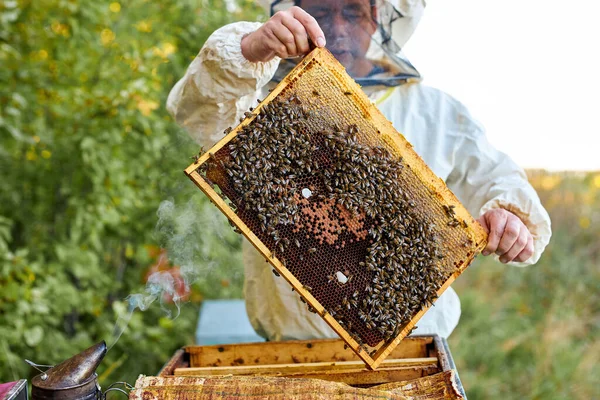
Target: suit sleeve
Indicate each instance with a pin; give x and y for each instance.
(219, 85)
(485, 178)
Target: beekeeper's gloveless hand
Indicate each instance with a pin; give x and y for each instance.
(508, 237)
(285, 35)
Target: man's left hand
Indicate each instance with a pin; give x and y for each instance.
(508, 236)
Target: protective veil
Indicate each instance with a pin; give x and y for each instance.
(221, 84)
(396, 21)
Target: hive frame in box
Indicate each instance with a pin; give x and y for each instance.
(391, 137)
(249, 359)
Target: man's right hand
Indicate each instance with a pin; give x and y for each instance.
(285, 35)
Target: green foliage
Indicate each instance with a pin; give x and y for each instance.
(88, 153)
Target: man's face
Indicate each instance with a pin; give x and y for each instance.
(348, 26)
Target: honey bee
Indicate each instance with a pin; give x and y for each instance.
(345, 303)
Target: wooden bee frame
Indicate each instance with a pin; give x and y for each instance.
(334, 79)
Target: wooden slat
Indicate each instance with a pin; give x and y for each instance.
(367, 377)
(362, 377)
(179, 360)
(301, 367)
(296, 351)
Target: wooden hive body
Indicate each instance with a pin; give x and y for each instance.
(325, 232)
(419, 360)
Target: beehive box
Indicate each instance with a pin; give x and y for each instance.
(327, 359)
(340, 204)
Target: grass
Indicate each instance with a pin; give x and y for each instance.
(534, 333)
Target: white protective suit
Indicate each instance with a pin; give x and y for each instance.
(220, 85)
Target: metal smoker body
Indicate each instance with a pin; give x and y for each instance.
(74, 378)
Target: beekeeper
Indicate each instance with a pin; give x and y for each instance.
(241, 61)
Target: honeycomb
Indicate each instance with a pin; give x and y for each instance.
(338, 199)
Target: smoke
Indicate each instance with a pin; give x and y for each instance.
(160, 285)
(195, 237)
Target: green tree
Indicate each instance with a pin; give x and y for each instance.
(87, 154)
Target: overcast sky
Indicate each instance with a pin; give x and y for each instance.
(527, 69)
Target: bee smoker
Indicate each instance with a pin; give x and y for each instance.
(73, 379)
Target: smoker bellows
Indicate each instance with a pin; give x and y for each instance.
(343, 208)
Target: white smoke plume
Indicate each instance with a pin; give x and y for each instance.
(188, 231)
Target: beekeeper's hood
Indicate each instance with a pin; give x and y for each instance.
(396, 20)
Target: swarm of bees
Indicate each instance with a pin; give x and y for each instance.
(279, 153)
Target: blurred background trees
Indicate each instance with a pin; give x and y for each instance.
(93, 193)
(88, 153)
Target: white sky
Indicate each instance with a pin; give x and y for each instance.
(528, 70)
